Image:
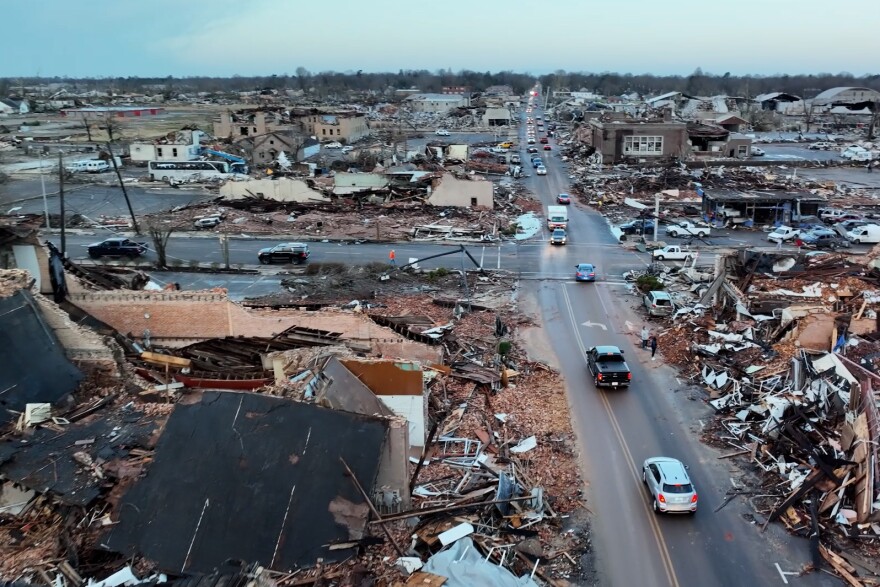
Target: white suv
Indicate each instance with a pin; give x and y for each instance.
(442, 132)
(669, 485)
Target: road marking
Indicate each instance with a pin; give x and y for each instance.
(589, 324)
(784, 573)
(612, 419)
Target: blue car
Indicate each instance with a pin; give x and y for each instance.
(585, 272)
(817, 233)
(636, 226)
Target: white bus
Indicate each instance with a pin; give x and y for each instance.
(188, 170)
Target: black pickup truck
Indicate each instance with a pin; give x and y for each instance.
(608, 366)
(117, 247)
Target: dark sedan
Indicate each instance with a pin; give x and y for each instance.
(284, 253)
(585, 272)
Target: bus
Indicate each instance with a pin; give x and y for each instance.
(189, 170)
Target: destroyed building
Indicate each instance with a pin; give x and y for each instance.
(619, 139)
(183, 145)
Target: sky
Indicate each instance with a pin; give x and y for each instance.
(158, 38)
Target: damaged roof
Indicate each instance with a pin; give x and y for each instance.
(251, 477)
(33, 366)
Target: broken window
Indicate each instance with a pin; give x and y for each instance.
(473, 201)
(159, 151)
(244, 130)
(643, 146)
(174, 152)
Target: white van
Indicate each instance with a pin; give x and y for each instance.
(97, 166)
(76, 166)
(870, 233)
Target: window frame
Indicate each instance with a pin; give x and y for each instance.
(643, 142)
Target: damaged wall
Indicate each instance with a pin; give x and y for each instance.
(283, 189)
(176, 319)
(462, 192)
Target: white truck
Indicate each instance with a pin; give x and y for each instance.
(557, 217)
(783, 233)
(869, 233)
(685, 228)
(673, 253)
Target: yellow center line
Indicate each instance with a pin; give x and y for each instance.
(633, 469)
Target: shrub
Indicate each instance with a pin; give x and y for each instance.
(647, 283)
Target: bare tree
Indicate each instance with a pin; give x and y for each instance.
(113, 127)
(875, 118)
(808, 114)
(160, 233)
(88, 126)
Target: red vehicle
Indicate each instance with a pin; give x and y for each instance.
(544, 140)
(546, 147)
(563, 199)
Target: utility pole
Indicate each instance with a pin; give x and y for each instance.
(45, 200)
(134, 221)
(656, 214)
(61, 199)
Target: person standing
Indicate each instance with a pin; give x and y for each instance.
(779, 245)
(391, 258)
(645, 335)
(653, 347)
(870, 166)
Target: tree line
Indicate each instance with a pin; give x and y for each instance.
(332, 84)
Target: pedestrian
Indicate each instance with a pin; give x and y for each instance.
(391, 258)
(779, 245)
(645, 334)
(799, 243)
(870, 166)
(653, 347)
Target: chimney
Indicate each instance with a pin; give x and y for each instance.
(667, 115)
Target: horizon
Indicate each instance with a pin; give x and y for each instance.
(269, 37)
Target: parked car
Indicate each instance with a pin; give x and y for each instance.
(670, 486)
(117, 247)
(673, 253)
(207, 222)
(333, 145)
(608, 367)
(441, 132)
(783, 233)
(842, 228)
(563, 199)
(811, 235)
(830, 214)
(658, 303)
(820, 145)
(830, 241)
(848, 216)
(585, 272)
(869, 234)
(347, 149)
(284, 253)
(757, 152)
(637, 226)
(557, 237)
(541, 170)
(544, 140)
(685, 228)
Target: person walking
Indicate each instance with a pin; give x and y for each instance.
(779, 245)
(653, 348)
(798, 243)
(391, 258)
(645, 335)
(870, 166)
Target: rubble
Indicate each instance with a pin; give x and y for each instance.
(786, 354)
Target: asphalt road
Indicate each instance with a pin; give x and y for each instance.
(617, 430)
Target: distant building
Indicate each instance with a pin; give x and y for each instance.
(248, 123)
(101, 112)
(264, 149)
(333, 126)
(496, 117)
(622, 139)
(776, 101)
(846, 95)
(503, 90)
(184, 145)
(10, 106)
(437, 103)
(453, 90)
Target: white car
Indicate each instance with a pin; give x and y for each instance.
(441, 132)
(541, 170)
(333, 145)
(347, 149)
(758, 152)
(820, 145)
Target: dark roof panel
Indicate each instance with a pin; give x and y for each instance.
(251, 477)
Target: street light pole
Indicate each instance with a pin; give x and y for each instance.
(656, 214)
(45, 200)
